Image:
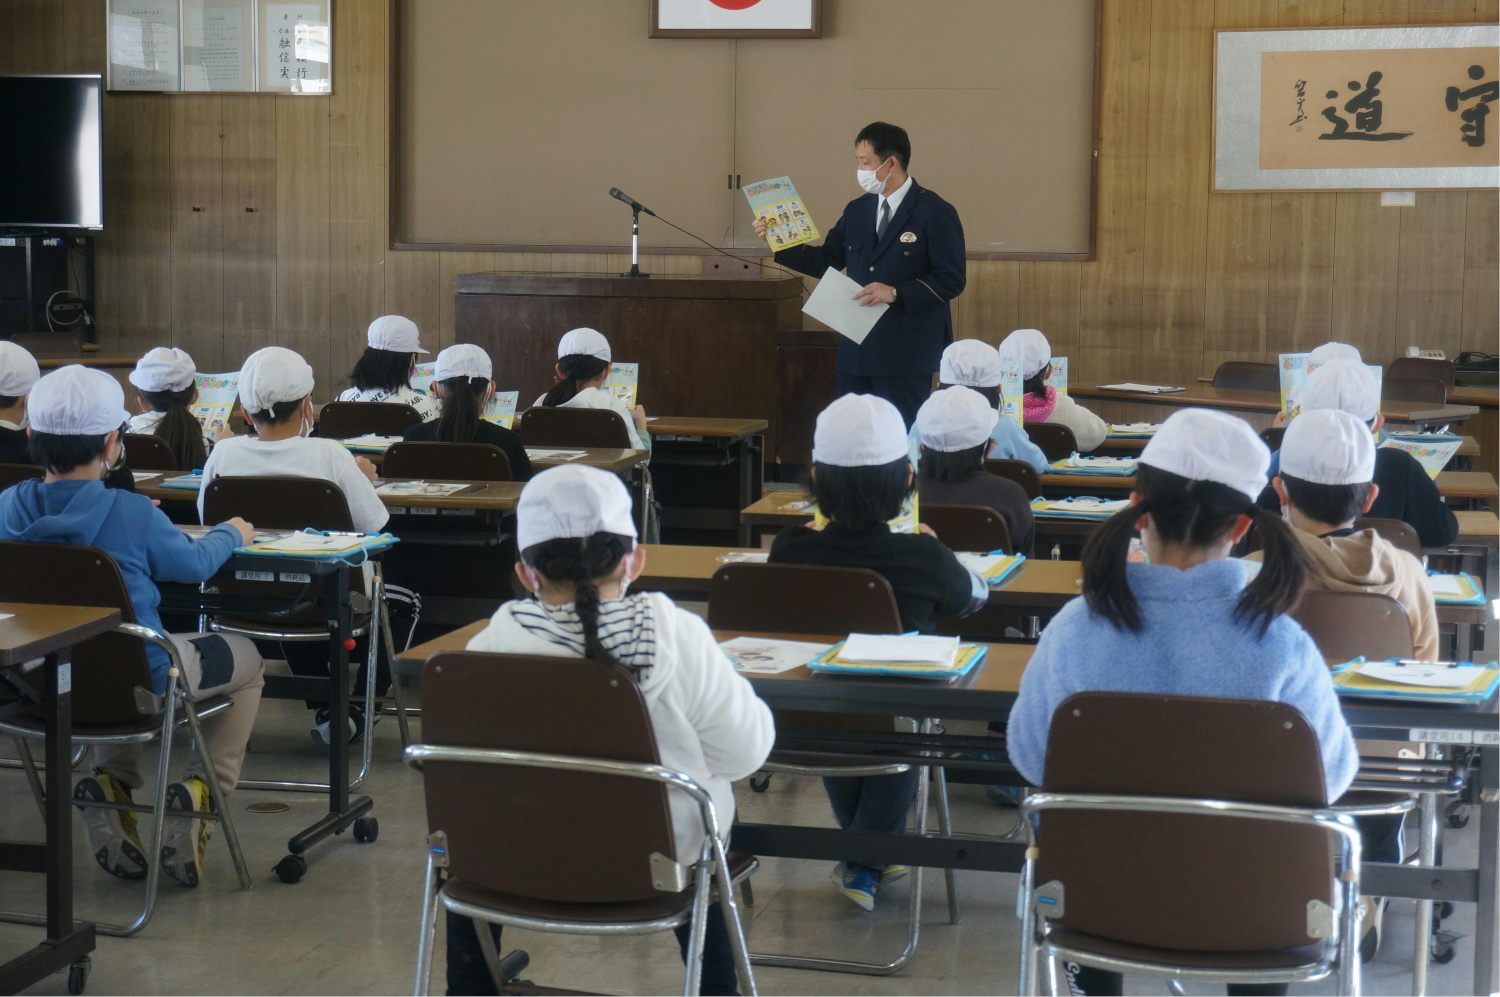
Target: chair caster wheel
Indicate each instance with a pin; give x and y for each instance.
(1443, 954)
(366, 829)
(291, 869)
(1457, 813)
(1444, 946)
(760, 783)
(78, 975)
(1443, 909)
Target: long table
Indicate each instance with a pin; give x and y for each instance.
(482, 496)
(1256, 407)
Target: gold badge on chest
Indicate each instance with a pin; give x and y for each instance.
(908, 237)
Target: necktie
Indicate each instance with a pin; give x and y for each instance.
(885, 219)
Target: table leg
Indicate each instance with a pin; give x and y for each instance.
(1486, 968)
(59, 753)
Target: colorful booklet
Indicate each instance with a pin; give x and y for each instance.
(1059, 379)
(1078, 507)
(1133, 430)
(313, 543)
(1462, 589)
(501, 409)
(621, 382)
(904, 522)
(769, 655)
(370, 443)
(1293, 369)
(1010, 392)
(963, 660)
(1107, 466)
(192, 481)
(431, 489)
(1432, 450)
(994, 567)
(217, 394)
(1458, 683)
(788, 222)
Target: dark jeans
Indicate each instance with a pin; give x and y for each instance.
(906, 392)
(468, 975)
(872, 803)
(310, 658)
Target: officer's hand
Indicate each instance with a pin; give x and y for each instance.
(876, 294)
(759, 227)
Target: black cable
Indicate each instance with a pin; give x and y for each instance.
(742, 259)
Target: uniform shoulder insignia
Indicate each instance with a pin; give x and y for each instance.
(908, 237)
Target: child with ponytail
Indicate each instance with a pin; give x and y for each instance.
(583, 359)
(164, 383)
(462, 380)
(578, 557)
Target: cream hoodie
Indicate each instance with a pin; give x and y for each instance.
(1367, 562)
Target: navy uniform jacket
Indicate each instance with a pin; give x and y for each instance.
(927, 270)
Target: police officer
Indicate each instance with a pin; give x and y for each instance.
(906, 246)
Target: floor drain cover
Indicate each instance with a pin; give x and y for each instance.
(269, 808)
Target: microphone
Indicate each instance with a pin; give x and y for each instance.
(620, 195)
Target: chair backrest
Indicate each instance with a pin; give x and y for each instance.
(144, 452)
(1396, 531)
(1018, 471)
(1055, 440)
(461, 461)
(341, 420)
(801, 599)
(1247, 375)
(1211, 883)
(11, 474)
(277, 503)
(1272, 435)
(1437, 370)
(1346, 625)
(540, 426)
(543, 833)
(1413, 389)
(967, 527)
(107, 669)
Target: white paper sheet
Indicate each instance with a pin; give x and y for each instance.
(536, 454)
(313, 543)
(980, 564)
(1434, 676)
(1085, 504)
(768, 656)
(1150, 389)
(744, 557)
(1446, 585)
(1134, 427)
(832, 303)
(430, 488)
(912, 648)
(1111, 463)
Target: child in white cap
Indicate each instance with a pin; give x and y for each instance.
(463, 380)
(577, 542)
(860, 479)
(583, 360)
(165, 383)
(1040, 402)
(976, 364)
(18, 373)
(955, 427)
(76, 414)
(383, 372)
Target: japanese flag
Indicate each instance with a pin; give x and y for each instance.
(761, 14)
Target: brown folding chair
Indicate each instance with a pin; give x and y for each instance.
(1437, 370)
(1018, 471)
(1253, 879)
(1394, 530)
(569, 741)
(113, 695)
(450, 461)
(1271, 436)
(1346, 625)
(816, 599)
(540, 426)
(144, 452)
(341, 420)
(14, 474)
(1055, 440)
(967, 527)
(1247, 376)
(1413, 389)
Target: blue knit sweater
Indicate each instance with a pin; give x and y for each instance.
(1189, 645)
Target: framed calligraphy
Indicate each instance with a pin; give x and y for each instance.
(1356, 108)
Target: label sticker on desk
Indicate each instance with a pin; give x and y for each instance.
(1487, 737)
(414, 511)
(255, 576)
(299, 577)
(459, 512)
(397, 510)
(1438, 735)
(64, 678)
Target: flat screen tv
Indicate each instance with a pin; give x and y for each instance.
(50, 152)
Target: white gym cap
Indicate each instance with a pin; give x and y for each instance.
(572, 500)
(955, 418)
(463, 360)
(1328, 447)
(584, 341)
(395, 333)
(165, 368)
(18, 370)
(859, 431)
(1206, 445)
(970, 362)
(274, 374)
(1346, 385)
(1334, 351)
(1029, 348)
(77, 401)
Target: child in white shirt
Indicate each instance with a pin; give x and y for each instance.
(383, 373)
(165, 382)
(583, 360)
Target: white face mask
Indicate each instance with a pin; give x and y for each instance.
(303, 425)
(868, 181)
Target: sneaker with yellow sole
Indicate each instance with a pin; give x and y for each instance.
(112, 833)
(185, 839)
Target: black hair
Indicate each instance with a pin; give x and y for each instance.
(861, 497)
(278, 413)
(953, 467)
(576, 368)
(61, 454)
(991, 394)
(1036, 384)
(463, 399)
(6, 401)
(382, 369)
(581, 562)
(1197, 514)
(887, 140)
(179, 429)
(1332, 504)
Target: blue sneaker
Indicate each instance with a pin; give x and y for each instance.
(857, 886)
(1004, 796)
(891, 873)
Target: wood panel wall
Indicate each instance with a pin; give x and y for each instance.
(288, 246)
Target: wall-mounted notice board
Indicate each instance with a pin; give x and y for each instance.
(246, 46)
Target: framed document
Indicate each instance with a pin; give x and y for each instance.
(218, 45)
(736, 18)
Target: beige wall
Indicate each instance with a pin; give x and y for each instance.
(1185, 279)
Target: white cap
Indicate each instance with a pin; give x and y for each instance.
(1328, 447)
(1346, 385)
(970, 362)
(572, 500)
(271, 375)
(395, 333)
(463, 360)
(165, 368)
(1334, 351)
(18, 370)
(859, 431)
(1029, 348)
(955, 418)
(1207, 445)
(77, 401)
(585, 342)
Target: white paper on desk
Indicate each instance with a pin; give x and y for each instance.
(832, 303)
(1103, 463)
(536, 454)
(1150, 389)
(980, 564)
(768, 656)
(144, 475)
(1434, 676)
(1446, 585)
(6, 616)
(907, 649)
(1085, 504)
(371, 441)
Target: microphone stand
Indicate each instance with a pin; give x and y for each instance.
(635, 243)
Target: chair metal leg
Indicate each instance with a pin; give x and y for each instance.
(945, 823)
(28, 763)
(427, 932)
(1427, 825)
(1026, 985)
(1053, 986)
(698, 928)
(16, 763)
(732, 922)
(390, 642)
(205, 757)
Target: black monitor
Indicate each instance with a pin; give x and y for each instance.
(50, 152)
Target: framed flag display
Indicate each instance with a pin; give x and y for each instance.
(736, 18)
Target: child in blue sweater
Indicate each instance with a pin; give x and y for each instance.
(1186, 623)
(975, 364)
(75, 418)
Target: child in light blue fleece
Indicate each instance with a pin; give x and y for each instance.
(976, 364)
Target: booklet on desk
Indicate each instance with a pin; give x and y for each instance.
(994, 568)
(190, 481)
(1462, 589)
(1457, 683)
(1076, 464)
(884, 654)
(313, 543)
(769, 655)
(372, 442)
(1133, 429)
(1078, 507)
(1147, 389)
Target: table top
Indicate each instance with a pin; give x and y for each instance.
(1467, 447)
(1467, 484)
(605, 458)
(35, 629)
(687, 425)
(1486, 396)
(1477, 528)
(1241, 399)
(484, 496)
